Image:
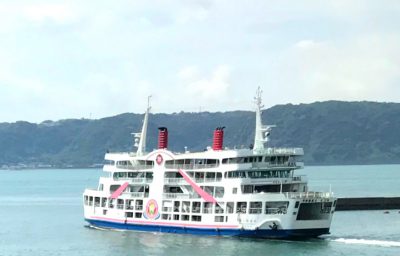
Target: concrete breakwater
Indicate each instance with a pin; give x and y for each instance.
(367, 203)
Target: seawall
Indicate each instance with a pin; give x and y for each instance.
(367, 203)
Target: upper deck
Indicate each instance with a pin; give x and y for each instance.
(271, 158)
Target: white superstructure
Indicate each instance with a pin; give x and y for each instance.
(246, 192)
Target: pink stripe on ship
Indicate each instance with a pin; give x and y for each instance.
(119, 191)
(198, 189)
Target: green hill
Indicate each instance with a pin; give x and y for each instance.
(330, 132)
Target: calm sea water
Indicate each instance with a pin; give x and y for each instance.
(41, 214)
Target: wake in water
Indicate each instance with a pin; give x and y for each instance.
(105, 229)
(368, 242)
(94, 227)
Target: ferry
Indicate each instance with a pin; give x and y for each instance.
(248, 192)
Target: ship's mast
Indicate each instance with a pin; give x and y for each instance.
(140, 138)
(262, 131)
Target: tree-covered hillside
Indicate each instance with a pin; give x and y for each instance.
(330, 132)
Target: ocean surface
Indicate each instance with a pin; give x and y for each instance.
(41, 214)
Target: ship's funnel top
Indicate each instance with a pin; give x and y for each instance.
(162, 137)
(218, 138)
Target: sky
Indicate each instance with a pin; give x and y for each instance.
(93, 59)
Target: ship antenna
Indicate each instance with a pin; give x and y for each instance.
(262, 131)
(140, 138)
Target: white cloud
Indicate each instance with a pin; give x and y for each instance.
(186, 15)
(364, 68)
(306, 44)
(60, 13)
(209, 88)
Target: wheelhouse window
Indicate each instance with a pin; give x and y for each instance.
(255, 207)
(170, 175)
(109, 162)
(173, 189)
(230, 207)
(196, 218)
(129, 204)
(136, 165)
(217, 192)
(139, 205)
(219, 219)
(235, 174)
(219, 209)
(185, 206)
(120, 204)
(97, 201)
(247, 189)
(104, 202)
(166, 216)
(207, 207)
(177, 205)
(196, 207)
(242, 160)
(111, 203)
(241, 207)
(276, 207)
(113, 188)
(133, 175)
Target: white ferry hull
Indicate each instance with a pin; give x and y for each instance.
(209, 230)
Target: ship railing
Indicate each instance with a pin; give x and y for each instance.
(135, 167)
(180, 196)
(283, 151)
(190, 166)
(310, 194)
(299, 177)
(197, 180)
(136, 180)
(202, 180)
(276, 165)
(255, 210)
(212, 179)
(136, 194)
(174, 181)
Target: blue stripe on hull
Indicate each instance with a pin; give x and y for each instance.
(288, 233)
